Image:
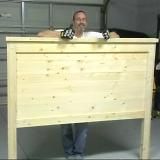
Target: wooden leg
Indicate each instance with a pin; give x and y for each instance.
(12, 141)
(12, 102)
(12, 137)
(145, 139)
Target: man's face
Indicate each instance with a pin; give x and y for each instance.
(80, 22)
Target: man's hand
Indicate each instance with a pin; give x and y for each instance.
(49, 33)
(106, 34)
(68, 33)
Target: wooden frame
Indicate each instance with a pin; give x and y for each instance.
(51, 81)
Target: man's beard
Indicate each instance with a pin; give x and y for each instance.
(81, 27)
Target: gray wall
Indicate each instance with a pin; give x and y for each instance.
(137, 15)
(37, 17)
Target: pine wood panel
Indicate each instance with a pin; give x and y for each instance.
(58, 82)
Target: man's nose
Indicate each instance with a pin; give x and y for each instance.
(81, 21)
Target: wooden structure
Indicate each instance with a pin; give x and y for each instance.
(51, 81)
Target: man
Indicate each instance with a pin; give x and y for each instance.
(74, 135)
(78, 33)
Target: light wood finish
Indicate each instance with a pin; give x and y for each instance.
(84, 80)
(12, 102)
(146, 122)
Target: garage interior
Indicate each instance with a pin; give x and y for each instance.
(106, 140)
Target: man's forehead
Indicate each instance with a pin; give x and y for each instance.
(80, 14)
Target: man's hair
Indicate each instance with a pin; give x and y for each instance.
(79, 11)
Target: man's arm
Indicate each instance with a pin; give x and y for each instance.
(57, 34)
(49, 33)
(114, 35)
(67, 33)
(107, 34)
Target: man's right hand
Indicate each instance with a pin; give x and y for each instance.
(68, 33)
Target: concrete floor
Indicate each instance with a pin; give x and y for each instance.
(106, 140)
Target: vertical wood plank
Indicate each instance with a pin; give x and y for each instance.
(12, 96)
(146, 122)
